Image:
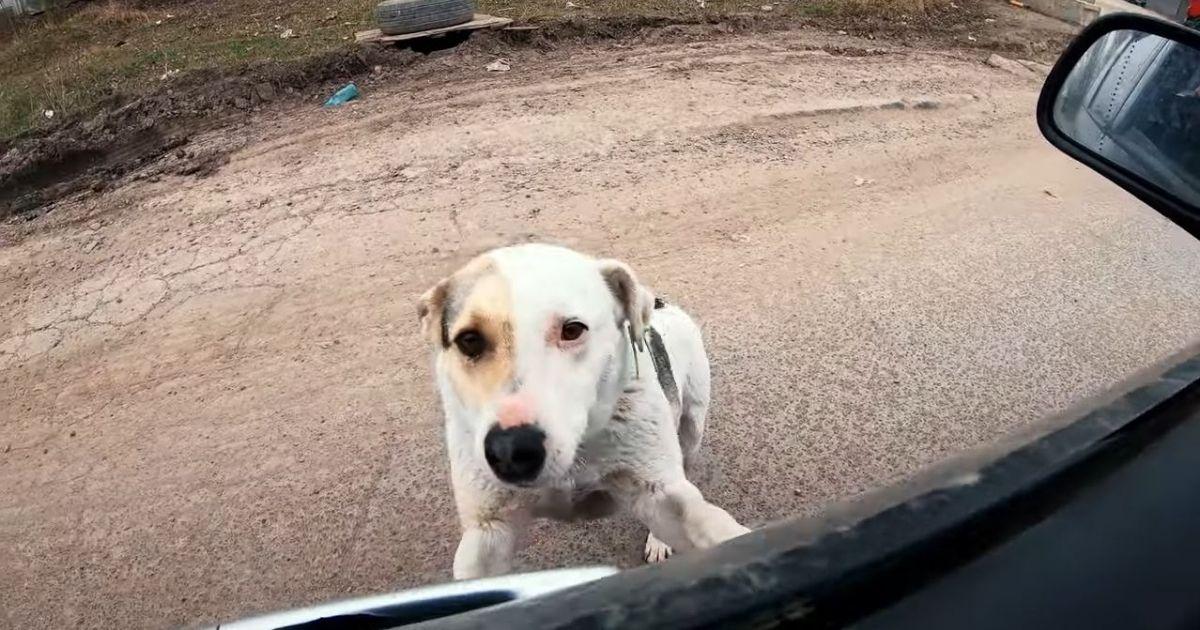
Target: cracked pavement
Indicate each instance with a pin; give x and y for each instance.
(214, 400)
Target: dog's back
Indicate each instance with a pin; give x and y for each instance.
(687, 363)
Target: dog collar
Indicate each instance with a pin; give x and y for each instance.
(652, 341)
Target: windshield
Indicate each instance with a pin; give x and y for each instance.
(251, 357)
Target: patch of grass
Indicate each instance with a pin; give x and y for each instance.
(886, 8)
(70, 61)
(113, 12)
(538, 10)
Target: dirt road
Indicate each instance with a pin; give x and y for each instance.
(214, 401)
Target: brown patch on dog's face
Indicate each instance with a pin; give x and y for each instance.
(441, 305)
(477, 333)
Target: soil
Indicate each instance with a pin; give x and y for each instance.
(126, 135)
(214, 399)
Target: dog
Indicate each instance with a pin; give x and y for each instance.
(569, 392)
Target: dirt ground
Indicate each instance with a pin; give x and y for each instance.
(160, 72)
(214, 400)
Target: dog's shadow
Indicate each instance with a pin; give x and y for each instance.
(617, 540)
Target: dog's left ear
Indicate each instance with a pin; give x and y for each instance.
(637, 302)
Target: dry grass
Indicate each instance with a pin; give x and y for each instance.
(72, 60)
(877, 9)
(536, 10)
(114, 12)
(901, 6)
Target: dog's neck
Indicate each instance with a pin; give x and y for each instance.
(626, 366)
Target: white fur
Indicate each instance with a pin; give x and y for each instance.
(636, 462)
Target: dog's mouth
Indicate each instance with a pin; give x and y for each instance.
(541, 482)
(552, 475)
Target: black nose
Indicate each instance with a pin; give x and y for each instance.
(516, 455)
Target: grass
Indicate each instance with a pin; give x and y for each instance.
(69, 62)
(65, 64)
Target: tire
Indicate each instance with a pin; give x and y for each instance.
(399, 17)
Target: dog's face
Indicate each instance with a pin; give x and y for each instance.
(528, 343)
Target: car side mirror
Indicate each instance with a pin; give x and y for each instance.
(1124, 99)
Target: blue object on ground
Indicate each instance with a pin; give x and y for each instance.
(342, 96)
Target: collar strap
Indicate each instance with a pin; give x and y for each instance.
(635, 347)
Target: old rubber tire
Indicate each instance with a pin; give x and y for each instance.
(398, 17)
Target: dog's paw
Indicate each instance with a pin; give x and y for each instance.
(656, 550)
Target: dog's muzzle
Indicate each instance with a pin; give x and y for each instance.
(515, 454)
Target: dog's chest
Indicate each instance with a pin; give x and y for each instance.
(585, 479)
(588, 503)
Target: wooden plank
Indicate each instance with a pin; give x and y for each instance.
(368, 36)
(481, 21)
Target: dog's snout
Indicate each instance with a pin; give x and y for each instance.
(516, 454)
(515, 410)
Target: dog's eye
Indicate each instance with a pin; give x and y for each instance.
(471, 344)
(573, 330)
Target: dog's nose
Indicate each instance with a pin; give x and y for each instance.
(516, 455)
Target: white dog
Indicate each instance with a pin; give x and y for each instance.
(567, 394)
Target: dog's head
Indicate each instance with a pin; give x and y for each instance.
(529, 345)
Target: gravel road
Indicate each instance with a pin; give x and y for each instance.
(214, 401)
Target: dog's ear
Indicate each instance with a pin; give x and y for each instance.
(637, 302)
(431, 313)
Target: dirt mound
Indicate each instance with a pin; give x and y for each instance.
(39, 168)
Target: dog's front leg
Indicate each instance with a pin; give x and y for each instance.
(678, 514)
(486, 549)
